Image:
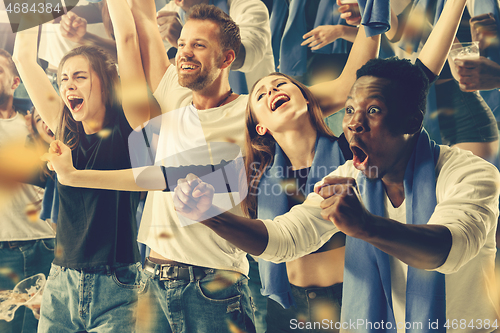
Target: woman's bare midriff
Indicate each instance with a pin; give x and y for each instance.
(321, 269)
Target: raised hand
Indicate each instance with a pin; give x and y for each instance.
(29, 123)
(73, 27)
(483, 29)
(322, 36)
(193, 198)
(170, 26)
(350, 13)
(478, 74)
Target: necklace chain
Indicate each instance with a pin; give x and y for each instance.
(11, 114)
(225, 99)
(222, 101)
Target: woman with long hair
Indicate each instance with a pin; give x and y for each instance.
(95, 278)
(290, 148)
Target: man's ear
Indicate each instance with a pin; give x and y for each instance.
(261, 130)
(228, 58)
(414, 124)
(16, 82)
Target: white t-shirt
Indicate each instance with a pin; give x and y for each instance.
(178, 238)
(252, 17)
(18, 216)
(467, 192)
(399, 270)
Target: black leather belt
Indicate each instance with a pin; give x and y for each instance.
(174, 272)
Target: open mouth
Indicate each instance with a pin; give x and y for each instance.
(279, 101)
(48, 131)
(360, 158)
(75, 103)
(189, 67)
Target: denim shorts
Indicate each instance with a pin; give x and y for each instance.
(463, 116)
(101, 299)
(317, 310)
(218, 303)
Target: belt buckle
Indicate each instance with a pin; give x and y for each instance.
(13, 244)
(168, 272)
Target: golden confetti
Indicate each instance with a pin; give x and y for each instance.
(9, 273)
(415, 24)
(325, 310)
(93, 125)
(6, 194)
(222, 280)
(58, 251)
(409, 48)
(32, 212)
(290, 188)
(446, 112)
(301, 318)
(165, 235)
(233, 328)
(144, 315)
(433, 115)
(17, 162)
(230, 140)
(104, 133)
(491, 41)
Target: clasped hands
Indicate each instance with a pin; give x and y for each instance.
(342, 204)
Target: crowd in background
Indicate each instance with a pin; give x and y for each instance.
(116, 84)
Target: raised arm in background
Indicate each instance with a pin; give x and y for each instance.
(333, 94)
(37, 84)
(325, 34)
(133, 82)
(74, 28)
(435, 51)
(255, 32)
(154, 58)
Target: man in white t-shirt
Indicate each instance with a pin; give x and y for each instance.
(421, 218)
(199, 108)
(26, 244)
(255, 57)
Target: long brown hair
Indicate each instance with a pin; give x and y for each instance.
(260, 149)
(105, 68)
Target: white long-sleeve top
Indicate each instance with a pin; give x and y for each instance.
(467, 192)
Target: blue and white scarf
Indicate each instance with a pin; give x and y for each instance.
(327, 158)
(367, 276)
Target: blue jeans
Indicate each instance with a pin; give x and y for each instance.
(218, 303)
(259, 300)
(16, 264)
(319, 308)
(102, 299)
